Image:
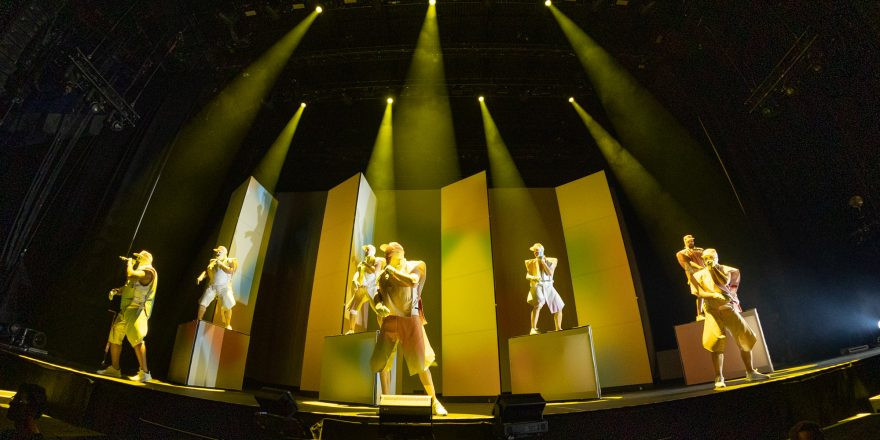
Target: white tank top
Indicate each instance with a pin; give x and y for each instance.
(221, 278)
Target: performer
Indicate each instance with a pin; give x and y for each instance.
(363, 285)
(690, 259)
(539, 272)
(219, 273)
(399, 305)
(136, 306)
(717, 284)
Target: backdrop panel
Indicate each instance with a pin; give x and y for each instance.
(470, 335)
(333, 271)
(519, 218)
(602, 279)
(245, 231)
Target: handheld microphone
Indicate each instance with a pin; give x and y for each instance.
(124, 258)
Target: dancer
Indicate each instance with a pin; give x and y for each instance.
(363, 285)
(399, 305)
(136, 305)
(717, 284)
(219, 273)
(690, 259)
(539, 272)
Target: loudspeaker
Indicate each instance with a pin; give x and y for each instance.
(404, 409)
(519, 407)
(519, 416)
(276, 401)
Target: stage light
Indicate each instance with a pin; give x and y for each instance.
(481, 99)
(432, 2)
(319, 9)
(390, 100)
(571, 99)
(302, 104)
(878, 324)
(548, 3)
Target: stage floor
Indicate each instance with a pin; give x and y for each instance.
(826, 391)
(461, 411)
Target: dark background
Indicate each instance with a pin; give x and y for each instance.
(73, 189)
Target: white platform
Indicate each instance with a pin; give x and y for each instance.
(696, 361)
(558, 365)
(208, 355)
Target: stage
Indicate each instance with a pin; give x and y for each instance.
(826, 392)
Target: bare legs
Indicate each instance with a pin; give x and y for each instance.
(115, 349)
(140, 351)
(536, 313)
(226, 314)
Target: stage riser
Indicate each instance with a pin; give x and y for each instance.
(756, 412)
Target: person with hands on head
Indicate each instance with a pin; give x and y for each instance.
(717, 285)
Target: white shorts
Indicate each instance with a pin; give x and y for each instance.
(223, 293)
(542, 293)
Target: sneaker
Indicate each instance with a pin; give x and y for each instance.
(755, 375)
(438, 409)
(110, 371)
(142, 376)
(701, 317)
(350, 332)
(229, 327)
(533, 331)
(719, 383)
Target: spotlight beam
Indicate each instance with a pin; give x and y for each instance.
(649, 131)
(425, 152)
(269, 168)
(649, 199)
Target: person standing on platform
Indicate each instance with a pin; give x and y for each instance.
(136, 305)
(219, 273)
(363, 285)
(399, 305)
(717, 285)
(691, 260)
(539, 272)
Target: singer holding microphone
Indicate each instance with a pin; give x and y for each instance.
(539, 272)
(136, 305)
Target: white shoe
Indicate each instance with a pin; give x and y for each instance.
(350, 332)
(533, 331)
(701, 318)
(110, 371)
(229, 327)
(438, 409)
(142, 376)
(719, 383)
(755, 375)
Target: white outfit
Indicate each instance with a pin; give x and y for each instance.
(541, 290)
(220, 288)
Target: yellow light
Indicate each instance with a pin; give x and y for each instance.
(432, 2)
(302, 104)
(547, 3)
(481, 99)
(390, 100)
(571, 99)
(319, 9)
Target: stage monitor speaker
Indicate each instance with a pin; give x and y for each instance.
(276, 401)
(519, 407)
(404, 409)
(519, 415)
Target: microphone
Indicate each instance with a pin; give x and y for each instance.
(124, 258)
